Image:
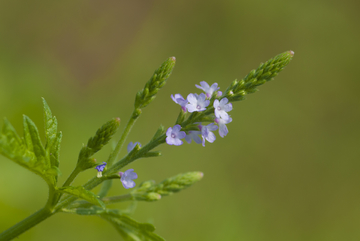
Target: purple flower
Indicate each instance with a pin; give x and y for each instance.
(174, 135)
(100, 168)
(197, 102)
(207, 89)
(222, 107)
(223, 130)
(131, 146)
(207, 134)
(193, 135)
(127, 177)
(219, 94)
(178, 99)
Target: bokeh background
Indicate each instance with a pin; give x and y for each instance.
(289, 167)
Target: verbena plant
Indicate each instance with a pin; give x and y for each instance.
(196, 110)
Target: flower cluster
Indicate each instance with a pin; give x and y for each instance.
(198, 103)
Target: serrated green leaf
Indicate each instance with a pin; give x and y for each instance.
(54, 150)
(50, 125)
(32, 140)
(82, 193)
(13, 147)
(30, 155)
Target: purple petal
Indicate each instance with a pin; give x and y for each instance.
(223, 130)
(191, 108)
(216, 104)
(169, 131)
(176, 129)
(181, 135)
(170, 140)
(204, 84)
(211, 137)
(224, 101)
(228, 107)
(223, 115)
(130, 146)
(201, 98)
(182, 102)
(128, 184)
(188, 139)
(178, 142)
(207, 102)
(214, 87)
(212, 127)
(197, 139)
(192, 99)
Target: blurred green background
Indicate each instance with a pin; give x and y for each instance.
(289, 167)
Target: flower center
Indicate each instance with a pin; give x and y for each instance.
(173, 135)
(218, 108)
(198, 107)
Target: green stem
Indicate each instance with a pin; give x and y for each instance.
(25, 224)
(72, 177)
(68, 182)
(114, 154)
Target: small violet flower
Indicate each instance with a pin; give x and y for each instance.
(193, 135)
(207, 89)
(131, 146)
(223, 130)
(127, 177)
(197, 102)
(178, 99)
(207, 134)
(222, 107)
(100, 168)
(174, 135)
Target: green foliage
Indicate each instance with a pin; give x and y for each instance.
(149, 191)
(130, 229)
(95, 143)
(30, 152)
(82, 193)
(156, 82)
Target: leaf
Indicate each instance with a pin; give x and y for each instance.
(130, 229)
(29, 152)
(13, 147)
(33, 142)
(50, 125)
(82, 193)
(55, 151)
